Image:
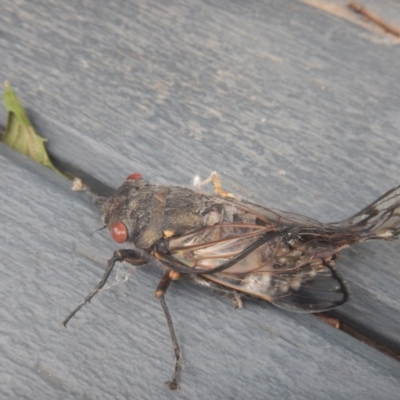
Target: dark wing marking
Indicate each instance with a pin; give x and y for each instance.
(381, 219)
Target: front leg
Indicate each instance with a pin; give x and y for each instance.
(160, 292)
(133, 256)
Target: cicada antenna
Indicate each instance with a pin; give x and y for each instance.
(98, 230)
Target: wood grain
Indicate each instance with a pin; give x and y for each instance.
(295, 108)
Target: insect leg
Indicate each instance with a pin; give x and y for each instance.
(159, 293)
(232, 295)
(134, 257)
(198, 183)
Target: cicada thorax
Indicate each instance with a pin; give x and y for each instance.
(142, 214)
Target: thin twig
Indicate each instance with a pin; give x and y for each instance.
(358, 8)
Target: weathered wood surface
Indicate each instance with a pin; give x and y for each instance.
(296, 109)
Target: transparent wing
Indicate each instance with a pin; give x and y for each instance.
(291, 270)
(210, 247)
(294, 269)
(322, 288)
(272, 217)
(313, 287)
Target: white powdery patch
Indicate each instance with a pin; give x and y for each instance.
(258, 283)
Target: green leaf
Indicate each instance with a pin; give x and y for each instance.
(20, 134)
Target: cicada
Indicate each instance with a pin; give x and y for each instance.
(235, 246)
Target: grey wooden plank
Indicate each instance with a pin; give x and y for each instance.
(293, 107)
(118, 347)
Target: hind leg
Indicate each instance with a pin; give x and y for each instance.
(233, 296)
(214, 178)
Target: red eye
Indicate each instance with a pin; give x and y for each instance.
(119, 232)
(133, 177)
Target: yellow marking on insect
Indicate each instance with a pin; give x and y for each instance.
(168, 233)
(174, 275)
